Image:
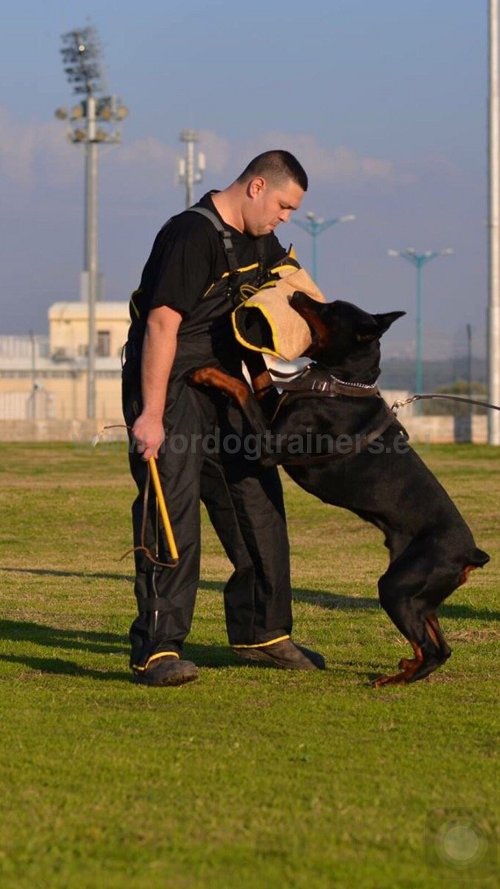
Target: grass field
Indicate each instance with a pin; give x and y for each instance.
(250, 776)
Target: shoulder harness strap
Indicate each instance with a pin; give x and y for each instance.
(261, 254)
(226, 239)
(227, 242)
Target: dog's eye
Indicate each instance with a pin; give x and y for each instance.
(365, 337)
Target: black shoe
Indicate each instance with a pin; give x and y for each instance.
(285, 654)
(167, 671)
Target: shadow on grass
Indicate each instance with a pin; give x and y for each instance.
(69, 640)
(59, 666)
(205, 656)
(327, 600)
(335, 601)
(55, 572)
(57, 637)
(211, 656)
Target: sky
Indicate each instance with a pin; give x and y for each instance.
(383, 101)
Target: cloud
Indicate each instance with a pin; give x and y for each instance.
(146, 152)
(17, 149)
(30, 150)
(338, 165)
(34, 152)
(217, 151)
(150, 156)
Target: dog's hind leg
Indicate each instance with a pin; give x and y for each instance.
(410, 591)
(428, 657)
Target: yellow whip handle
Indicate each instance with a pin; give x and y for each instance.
(169, 534)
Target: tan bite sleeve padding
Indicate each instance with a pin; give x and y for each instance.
(267, 323)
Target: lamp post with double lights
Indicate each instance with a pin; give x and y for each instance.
(418, 260)
(314, 227)
(93, 123)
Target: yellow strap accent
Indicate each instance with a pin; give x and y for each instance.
(167, 527)
(284, 268)
(155, 657)
(245, 268)
(262, 644)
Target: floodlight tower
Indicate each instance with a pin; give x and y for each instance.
(314, 227)
(81, 59)
(186, 165)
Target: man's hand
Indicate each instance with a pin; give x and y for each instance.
(149, 435)
(160, 343)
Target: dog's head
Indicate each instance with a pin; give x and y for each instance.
(343, 335)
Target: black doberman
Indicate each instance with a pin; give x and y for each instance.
(338, 439)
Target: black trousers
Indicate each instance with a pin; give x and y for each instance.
(202, 458)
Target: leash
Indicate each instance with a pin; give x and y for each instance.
(331, 387)
(399, 404)
(162, 506)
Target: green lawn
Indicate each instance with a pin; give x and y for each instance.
(250, 776)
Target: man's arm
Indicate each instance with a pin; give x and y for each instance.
(158, 353)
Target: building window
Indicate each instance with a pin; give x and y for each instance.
(103, 343)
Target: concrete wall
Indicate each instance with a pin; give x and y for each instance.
(63, 391)
(420, 429)
(445, 430)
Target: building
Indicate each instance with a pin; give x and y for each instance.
(45, 378)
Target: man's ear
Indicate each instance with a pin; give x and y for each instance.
(256, 186)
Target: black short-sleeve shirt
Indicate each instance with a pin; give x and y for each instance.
(188, 256)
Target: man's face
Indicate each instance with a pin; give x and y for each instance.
(270, 204)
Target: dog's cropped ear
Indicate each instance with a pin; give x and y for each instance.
(385, 319)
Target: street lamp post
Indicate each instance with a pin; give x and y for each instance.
(419, 260)
(314, 227)
(186, 165)
(81, 58)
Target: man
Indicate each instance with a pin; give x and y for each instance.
(202, 264)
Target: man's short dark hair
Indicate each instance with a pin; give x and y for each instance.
(276, 166)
